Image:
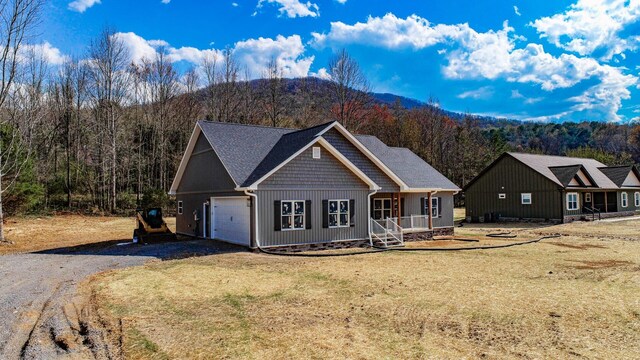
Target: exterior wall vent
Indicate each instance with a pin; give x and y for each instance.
(316, 152)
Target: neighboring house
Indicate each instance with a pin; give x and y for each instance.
(552, 188)
(320, 187)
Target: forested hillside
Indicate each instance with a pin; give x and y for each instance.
(99, 133)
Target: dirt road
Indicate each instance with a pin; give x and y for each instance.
(42, 316)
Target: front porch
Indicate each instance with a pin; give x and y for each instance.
(597, 205)
(399, 217)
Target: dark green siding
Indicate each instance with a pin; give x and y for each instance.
(511, 177)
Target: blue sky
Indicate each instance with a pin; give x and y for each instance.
(529, 60)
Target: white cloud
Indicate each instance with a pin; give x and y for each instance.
(254, 54)
(322, 74)
(484, 92)
(591, 25)
(342, 1)
(52, 55)
(492, 55)
(165, 1)
(234, 4)
(516, 10)
(288, 52)
(293, 8)
(82, 5)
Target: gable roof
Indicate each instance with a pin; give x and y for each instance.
(562, 169)
(543, 164)
(414, 171)
(251, 153)
(617, 174)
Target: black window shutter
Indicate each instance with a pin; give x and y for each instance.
(422, 207)
(439, 207)
(277, 215)
(403, 212)
(307, 214)
(352, 212)
(325, 213)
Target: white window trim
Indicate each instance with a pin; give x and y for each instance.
(382, 208)
(338, 213)
(625, 200)
(316, 152)
(502, 196)
(434, 207)
(637, 198)
(180, 207)
(522, 196)
(304, 215)
(577, 201)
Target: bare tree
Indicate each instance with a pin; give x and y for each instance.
(109, 81)
(209, 67)
(18, 18)
(350, 89)
(228, 86)
(273, 103)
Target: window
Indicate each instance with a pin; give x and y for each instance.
(316, 152)
(572, 201)
(339, 213)
(587, 197)
(502, 196)
(525, 198)
(434, 207)
(625, 200)
(180, 208)
(381, 208)
(292, 214)
(637, 198)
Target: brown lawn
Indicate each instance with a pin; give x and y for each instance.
(42, 233)
(573, 297)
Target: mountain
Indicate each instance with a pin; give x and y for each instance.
(319, 93)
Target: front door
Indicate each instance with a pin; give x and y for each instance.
(381, 208)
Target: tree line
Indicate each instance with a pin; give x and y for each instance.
(100, 133)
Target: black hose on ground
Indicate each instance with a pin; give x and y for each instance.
(379, 249)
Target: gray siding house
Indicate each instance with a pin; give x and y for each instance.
(315, 188)
(551, 188)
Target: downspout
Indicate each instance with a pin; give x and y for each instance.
(369, 214)
(255, 212)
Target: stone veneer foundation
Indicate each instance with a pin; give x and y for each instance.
(417, 236)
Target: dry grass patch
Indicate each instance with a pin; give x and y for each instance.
(43, 233)
(518, 302)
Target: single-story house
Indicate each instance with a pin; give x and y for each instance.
(520, 186)
(320, 187)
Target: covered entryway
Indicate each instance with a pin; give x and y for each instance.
(231, 220)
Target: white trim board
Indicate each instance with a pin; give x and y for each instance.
(366, 152)
(332, 150)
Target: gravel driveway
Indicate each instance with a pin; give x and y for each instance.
(40, 316)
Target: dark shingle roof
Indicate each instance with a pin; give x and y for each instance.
(565, 173)
(288, 145)
(617, 174)
(408, 166)
(249, 152)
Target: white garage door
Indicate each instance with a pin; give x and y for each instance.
(231, 220)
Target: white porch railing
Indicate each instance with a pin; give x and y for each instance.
(388, 235)
(413, 223)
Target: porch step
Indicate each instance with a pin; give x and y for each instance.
(389, 244)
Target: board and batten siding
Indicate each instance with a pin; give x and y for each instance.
(203, 178)
(511, 177)
(268, 236)
(631, 205)
(305, 172)
(346, 148)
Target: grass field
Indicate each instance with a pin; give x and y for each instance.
(572, 297)
(43, 233)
